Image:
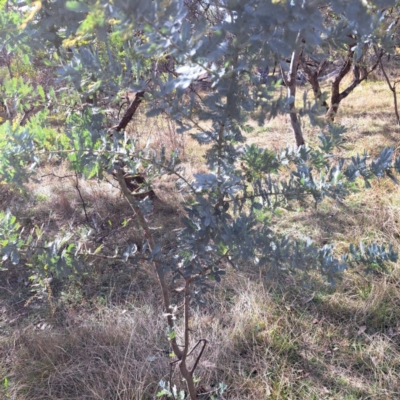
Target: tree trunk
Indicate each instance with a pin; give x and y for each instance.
(291, 87)
(180, 354)
(185, 372)
(290, 82)
(130, 112)
(360, 74)
(391, 87)
(312, 78)
(335, 87)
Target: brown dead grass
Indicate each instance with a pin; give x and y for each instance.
(110, 356)
(262, 343)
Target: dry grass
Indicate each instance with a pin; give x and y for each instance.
(112, 355)
(302, 344)
(281, 340)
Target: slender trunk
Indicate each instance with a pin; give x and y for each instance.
(335, 88)
(312, 78)
(9, 69)
(290, 83)
(391, 87)
(148, 235)
(130, 112)
(187, 374)
(396, 111)
(220, 195)
(179, 353)
(7, 57)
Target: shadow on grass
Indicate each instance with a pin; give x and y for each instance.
(386, 130)
(314, 347)
(310, 342)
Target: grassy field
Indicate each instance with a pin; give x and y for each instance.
(104, 336)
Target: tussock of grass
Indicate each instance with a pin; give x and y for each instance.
(112, 355)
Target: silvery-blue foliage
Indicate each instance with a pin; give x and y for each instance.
(221, 225)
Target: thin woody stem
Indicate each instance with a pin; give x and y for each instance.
(186, 373)
(143, 223)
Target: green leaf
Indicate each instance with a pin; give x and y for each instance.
(76, 6)
(163, 392)
(171, 335)
(41, 92)
(98, 249)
